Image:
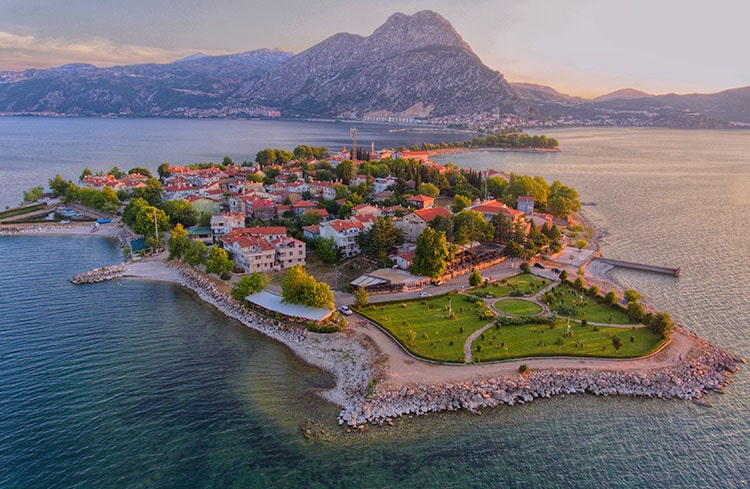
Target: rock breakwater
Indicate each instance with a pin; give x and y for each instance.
(708, 368)
(99, 275)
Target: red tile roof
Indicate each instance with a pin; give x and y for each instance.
(427, 215)
(421, 198)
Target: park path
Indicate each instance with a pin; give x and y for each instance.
(468, 358)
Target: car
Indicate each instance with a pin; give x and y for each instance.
(539, 265)
(346, 311)
(424, 294)
(556, 270)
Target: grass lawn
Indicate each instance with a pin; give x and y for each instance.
(524, 283)
(518, 307)
(528, 340)
(593, 310)
(434, 336)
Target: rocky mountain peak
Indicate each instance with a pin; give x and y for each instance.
(424, 28)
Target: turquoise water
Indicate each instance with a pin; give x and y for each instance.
(138, 384)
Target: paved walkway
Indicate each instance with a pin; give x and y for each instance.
(468, 358)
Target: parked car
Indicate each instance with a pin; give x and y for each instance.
(539, 265)
(346, 311)
(556, 270)
(424, 294)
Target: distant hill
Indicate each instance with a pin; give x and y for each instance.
(623, 93)
(544, 94)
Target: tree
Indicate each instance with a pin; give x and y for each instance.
(617, 342)
(460, 203)
(428, 189)
(33, 194)
(578, 284)
(218, 262)
(496, 186)
(635, 312)
(299, 287)
(178, 242)
(632, 295)
(475, 278)
(661, 324)
(59, 186)
(562, 201)
(444, 224)
(470, 226)
(116, 172)
(85, 173)
(361, 297)
(519, 185)
(147, 225)
(610, 298)
(151, 193)
(525, 267)
(563, 275)
(432, 254)
(380, 238)
(132, 209)
(265, 157)
(346, 171)
(248, 285)
(196, 253)
(141, 171)
(180, 212)
(326, 250)
(581, 244)
(163, 171)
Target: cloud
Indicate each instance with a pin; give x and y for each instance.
(22, 52)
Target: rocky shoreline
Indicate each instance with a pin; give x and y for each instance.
(707, 368)
(351, 359)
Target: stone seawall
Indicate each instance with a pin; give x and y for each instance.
(708, 368)
(99, 275)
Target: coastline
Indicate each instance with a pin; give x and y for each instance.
(376, 381)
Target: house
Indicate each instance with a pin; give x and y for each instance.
(323, 213)
(344, 235)
(421, 201)
(225, 223)
(526, 205)
(381, 196)
(303, 206)
(414, 223)
(251, 253)
(403, 260)
(289, 252)
(200, 233)
(493, 208)
(364, 209)
(267, 232)
(381, 184)
(311, 232)
(208, 205)
(389, 280)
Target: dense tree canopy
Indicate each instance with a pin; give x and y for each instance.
(432, 255)
(562, 201)
(299, 287)
(470, 226)
(218, 262)
(248, 285)
(180, 211)
(380, 238)
(148, 219)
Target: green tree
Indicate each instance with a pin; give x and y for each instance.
(632, 295)
(581, 244)
(33, 194)
(132, 209)
(266, 157)
(255, 177)
(525, 267)
(562, 201)
(59, 186)
(635, 312)
(610, 298)
(475, 278)
(180, 212)
(460, 202)
(578, 283)
(85, 173)
(444, 224)
(218, 262)
(661, 324)
(178, 242)
(380, 238)
(428, 189)
(617, 342)
(141, 171)
(196, 253)
(346, 171)
(151, 193)
(519, 185)
(248, 285)
(326, 250)
(163, 171)
(563, 275)
(432, 255)
(144, 222)
(116, 172)
(361, 297)
(299, 287)
(470, 226)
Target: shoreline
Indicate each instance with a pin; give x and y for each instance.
(444, 151)
(376, 381)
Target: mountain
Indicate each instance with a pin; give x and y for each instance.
(175, 89)
(544, 94)
(623, 93)
(411, 66)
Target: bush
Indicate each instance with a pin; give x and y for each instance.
(525, 267)
(523, 368)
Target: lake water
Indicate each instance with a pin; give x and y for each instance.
(138, 384)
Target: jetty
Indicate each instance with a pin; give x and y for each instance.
(640, 266)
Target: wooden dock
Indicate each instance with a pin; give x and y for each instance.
(640, 266)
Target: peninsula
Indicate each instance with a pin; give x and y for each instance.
(452, 288)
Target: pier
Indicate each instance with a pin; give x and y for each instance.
(640, 266)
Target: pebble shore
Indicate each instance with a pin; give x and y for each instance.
(350, 359)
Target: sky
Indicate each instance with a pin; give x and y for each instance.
(579, 47)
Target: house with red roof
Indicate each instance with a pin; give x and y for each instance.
(414, 223)
(421, 201)
(492, 208)
(303, 206)
(344, 234)
(264, 248)
(226, 222)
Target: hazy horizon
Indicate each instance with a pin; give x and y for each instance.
(579, 47)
